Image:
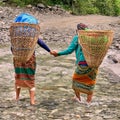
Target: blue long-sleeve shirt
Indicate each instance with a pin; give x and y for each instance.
(43, 45)
(74, 46)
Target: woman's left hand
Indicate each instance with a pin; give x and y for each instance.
(54, 53)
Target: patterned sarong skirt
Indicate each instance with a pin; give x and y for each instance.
(25, 73)
(84, 79)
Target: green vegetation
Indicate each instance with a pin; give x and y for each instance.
(80, 7)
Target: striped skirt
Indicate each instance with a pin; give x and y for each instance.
(25, 73)
(84, 79)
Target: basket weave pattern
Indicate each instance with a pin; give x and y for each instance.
(95, 45)
(24, 37)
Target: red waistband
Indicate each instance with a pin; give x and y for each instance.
(82, 62)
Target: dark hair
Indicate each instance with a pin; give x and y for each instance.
(81, 26)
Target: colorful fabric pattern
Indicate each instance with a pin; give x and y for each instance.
(25, 72)
(84, 79)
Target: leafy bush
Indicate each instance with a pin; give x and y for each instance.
(83, 7)
(116, 4)
(17, 2)
(108, 7)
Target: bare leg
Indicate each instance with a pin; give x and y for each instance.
(77, 93)
(77, 96)
(89, 98)
(32, 97)
(17, 92)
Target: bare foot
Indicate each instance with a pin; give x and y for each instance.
(77, 99)
(17, 99)
(32, 103)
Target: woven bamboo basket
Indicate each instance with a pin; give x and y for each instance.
(95, 45)
(24, 37)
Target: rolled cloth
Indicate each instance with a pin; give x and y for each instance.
(82, 26)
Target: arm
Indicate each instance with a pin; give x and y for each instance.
(70, 48)
(43, 45)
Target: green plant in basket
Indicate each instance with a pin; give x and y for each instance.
(102, 39)
(105, 39)
(84, 38)
(87, 39)
(93, 40)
